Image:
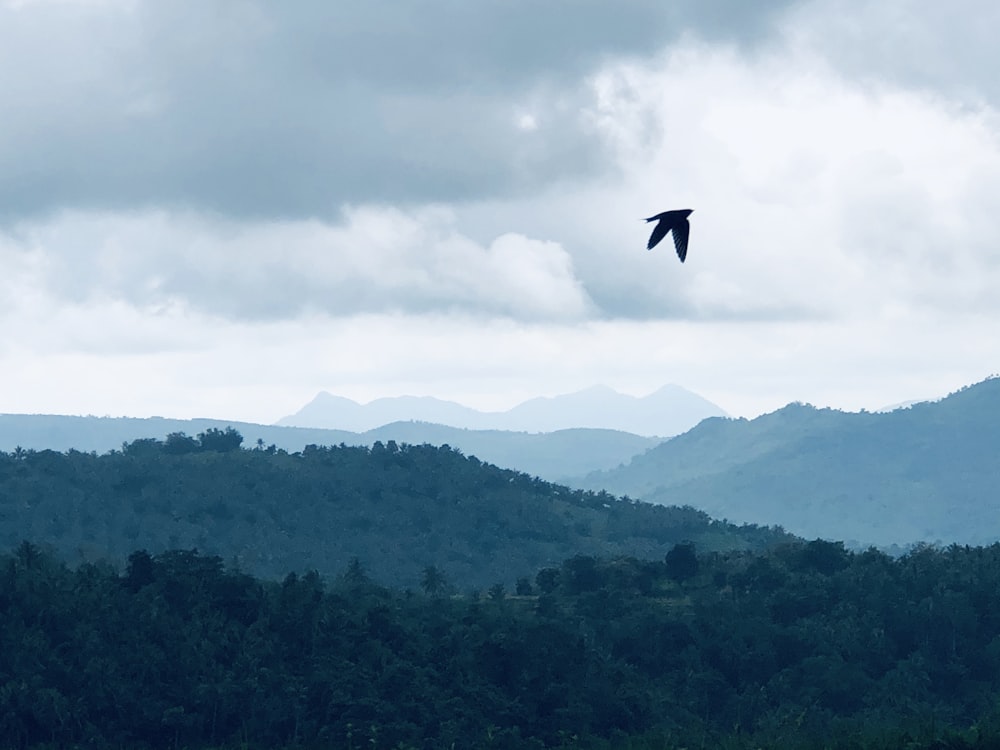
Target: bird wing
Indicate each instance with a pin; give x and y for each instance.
(659, 232)
(681, 231)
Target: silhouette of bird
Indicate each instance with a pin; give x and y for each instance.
(672, 221)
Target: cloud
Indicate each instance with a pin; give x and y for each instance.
(814, 197)
(108, 358)
(290, 110)
(949, 48)
(376, 260)
(219, 209)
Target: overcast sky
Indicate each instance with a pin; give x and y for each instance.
(220, 208)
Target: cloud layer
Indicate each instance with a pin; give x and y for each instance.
(377, 260)
(227, 205)
(814, 199)
(255, 109)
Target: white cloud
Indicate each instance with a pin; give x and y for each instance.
(378, 259)
(289, 110)
(526, 122)
(944, 47)
(107, 359)
(814, 197)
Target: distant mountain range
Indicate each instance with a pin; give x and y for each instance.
(553, 456)
(668, 411)
(929, 472)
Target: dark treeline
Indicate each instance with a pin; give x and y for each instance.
(807, 645)
(396, 507)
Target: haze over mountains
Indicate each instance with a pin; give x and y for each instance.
(929, 472)
(668, 411)
(554, 456)
(552, 438)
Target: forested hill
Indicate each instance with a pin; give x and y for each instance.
(805, 646)
(551, 455)
(929, 472)
(399, 509)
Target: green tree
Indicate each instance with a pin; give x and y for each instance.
(214, 439)
(177, 443)
(682, 562)
(433, 581)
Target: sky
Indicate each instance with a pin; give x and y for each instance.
(220, 209)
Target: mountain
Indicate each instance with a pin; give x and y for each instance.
(926, 473)
(327, 411)
(397, 508)
(902, 405)
(668, 411)
(553, 456)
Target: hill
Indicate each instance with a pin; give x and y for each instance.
(397, 508)
(668, 411)
(929, 472)
(553, 456)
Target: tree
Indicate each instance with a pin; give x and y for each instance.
(140, 570)
(547, 579)
(142, 448)
(581, 574)
(825, 557)
(682, 562)
(433, 581)
(214, 439)
(355, 574)
(28, 555)
(178, 443)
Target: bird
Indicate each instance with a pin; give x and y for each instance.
(672, 221)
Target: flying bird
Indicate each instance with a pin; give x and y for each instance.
(672, 221)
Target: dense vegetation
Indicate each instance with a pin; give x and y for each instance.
(551, 455)
(807, 645)
(398, 508)
(924, 473)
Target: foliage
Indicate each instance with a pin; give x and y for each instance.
(801, 646)
(551, 455)
(398, 508)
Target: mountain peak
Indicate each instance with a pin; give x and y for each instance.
(923, 474)
(325, 397)
(669, 411)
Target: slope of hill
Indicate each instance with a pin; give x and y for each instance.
(930, 472)
(553, 456)
(550, 455)
(669, 411)
(397, 508)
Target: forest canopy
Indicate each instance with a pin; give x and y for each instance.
(398, 508)
(806, 645)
